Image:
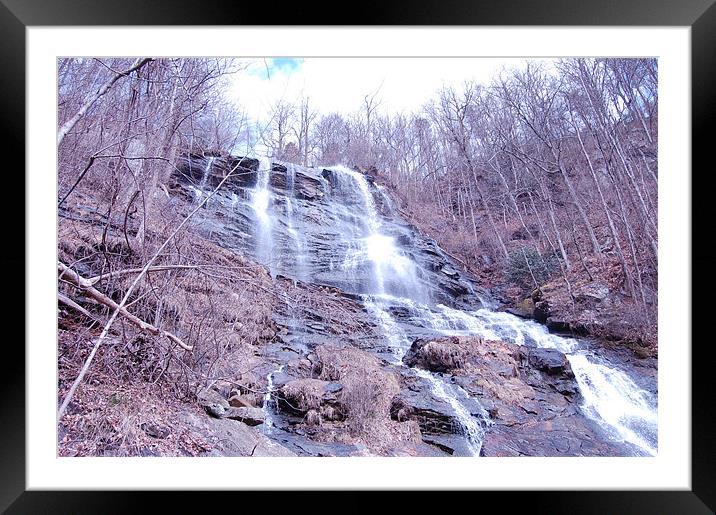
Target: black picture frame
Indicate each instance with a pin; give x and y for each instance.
(700, 15)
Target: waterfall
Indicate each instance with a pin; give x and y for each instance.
(394, 273)
(205, 176)
(611, 398)
(296, 238)
(261, 203)
(269, 404)
(353, 239)
(199, 191)
(392, 270)
(400, 343)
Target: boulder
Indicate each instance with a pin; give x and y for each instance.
(435, 355)
(245, 401)
(212, 402)
(550, 361)
(249, 416)
(524, 309)
(592, 293)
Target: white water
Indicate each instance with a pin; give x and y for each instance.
(261, 203)
(205, 176)
(393, 271)
(400, 343)
(610, 396)
(373, 264)
(199, 191)
(298, 243)
(269, 422)
(473, 432)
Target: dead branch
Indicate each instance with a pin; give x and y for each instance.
(86, 286)
(161, 268)
(120, 306)
(64, 299)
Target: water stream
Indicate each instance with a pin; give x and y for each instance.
(365, 249)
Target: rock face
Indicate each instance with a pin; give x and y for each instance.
(530, 393)
(228, 437)
(311, 233)
(596, 310)
(357, 288)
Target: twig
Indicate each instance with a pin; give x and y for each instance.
(64, 299)
(86, 286)
(100, 339)
(161, 268)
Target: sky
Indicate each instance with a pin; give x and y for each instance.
(341, 84)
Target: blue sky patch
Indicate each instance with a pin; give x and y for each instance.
(270, 66)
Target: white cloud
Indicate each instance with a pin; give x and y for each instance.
(340, 84)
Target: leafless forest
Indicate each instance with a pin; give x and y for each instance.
(538, 183)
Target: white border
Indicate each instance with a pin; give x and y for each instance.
(669, 470)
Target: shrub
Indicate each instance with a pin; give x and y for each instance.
(526, 265)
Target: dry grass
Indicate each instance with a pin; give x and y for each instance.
(222, 306)
(368, 391)
(305, 394)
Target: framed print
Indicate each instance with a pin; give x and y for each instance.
(431, 250)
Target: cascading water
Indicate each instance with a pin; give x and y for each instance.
(394, 273)
(610, 396)
(269, 403)
(345, 241)
(260, 202)
(199, 190)
(400, 343)
(296, 238)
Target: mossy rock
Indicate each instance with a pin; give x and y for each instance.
(523, 309)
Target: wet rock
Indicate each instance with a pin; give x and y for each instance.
(307, 187)
(530, 395)
(549, 360)
(558, 324)
(449, 271)
(433, 416)
(278, 179)
(246, 401)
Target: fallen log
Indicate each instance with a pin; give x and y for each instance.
(86, 286)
